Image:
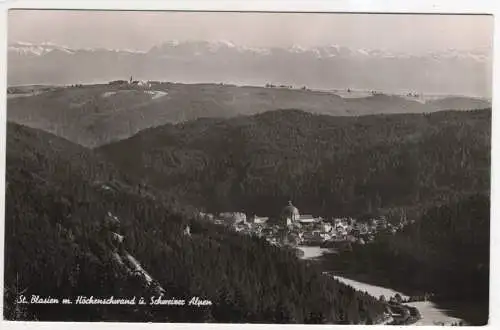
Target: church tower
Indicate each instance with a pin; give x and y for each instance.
(290, 214)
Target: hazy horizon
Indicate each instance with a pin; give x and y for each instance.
(141, 30)
(466, 72)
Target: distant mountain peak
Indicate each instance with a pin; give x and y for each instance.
(295, 48)
(43, 48)
(27, 48)
(213, 46)
(323, 67)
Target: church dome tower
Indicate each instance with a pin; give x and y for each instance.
(290, 213)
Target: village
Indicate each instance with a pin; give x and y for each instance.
(295, 229)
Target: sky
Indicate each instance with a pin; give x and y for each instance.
(141, 30)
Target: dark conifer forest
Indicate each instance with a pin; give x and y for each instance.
(55, 206)
(329, 166)
(446, 252)
(434, 168)
(431, 168)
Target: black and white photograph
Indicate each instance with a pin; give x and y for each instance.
(247, 167)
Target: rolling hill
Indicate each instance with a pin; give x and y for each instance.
(94, 115)
(58, 196)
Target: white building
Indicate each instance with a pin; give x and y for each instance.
(326, 227)
(260, 220)
(144, 84)
(206, 216)
(306, 219)
(341, 230)
(139, 83)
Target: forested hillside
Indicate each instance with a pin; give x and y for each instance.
(57, 195)
(326, 165)
(432, 168)
(446, 252)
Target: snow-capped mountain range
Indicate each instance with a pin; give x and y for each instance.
(30, 49)
(326, 67)
(25, 48)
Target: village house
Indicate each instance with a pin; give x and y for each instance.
(232, 217)
(206, 216)
(143, 84)
(258, 220)
(306, 219)
(326, 227)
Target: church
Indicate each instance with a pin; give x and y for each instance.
(290, 214)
